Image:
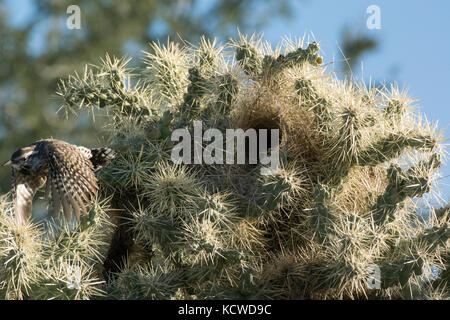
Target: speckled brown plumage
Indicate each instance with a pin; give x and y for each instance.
(66, 169)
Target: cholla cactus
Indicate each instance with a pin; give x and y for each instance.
(52, 260)
(354, 163)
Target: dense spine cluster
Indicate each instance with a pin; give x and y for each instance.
(354, 161)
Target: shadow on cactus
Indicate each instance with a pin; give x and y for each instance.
(358, 170)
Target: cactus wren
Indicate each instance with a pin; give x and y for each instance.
(67, 170)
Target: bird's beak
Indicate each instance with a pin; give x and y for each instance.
(7, 163)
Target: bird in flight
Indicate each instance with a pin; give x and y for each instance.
(67, 171)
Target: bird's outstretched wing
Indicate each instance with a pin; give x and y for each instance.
(25, 187)
(71, 179)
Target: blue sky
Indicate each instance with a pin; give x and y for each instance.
(414, 45)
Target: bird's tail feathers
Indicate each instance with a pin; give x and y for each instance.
(102, 157)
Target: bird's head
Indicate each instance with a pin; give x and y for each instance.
(20, 156)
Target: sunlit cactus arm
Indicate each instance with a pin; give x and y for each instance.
(167, 72)
(145, 282)
(320, 106)
(421, 247)
(297, 57)
(322, 217)
(67, 280)
(190, 107)
(248, 56)
(21, 259)
(228, 89)
(282, 189)
(391, 147)
(402, 184)
(255, 64)
(106, 86)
